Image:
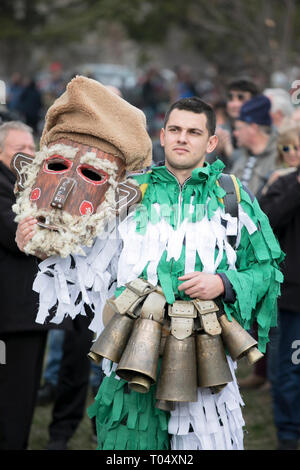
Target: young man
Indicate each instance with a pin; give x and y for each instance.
(176, 241)
(189, 265)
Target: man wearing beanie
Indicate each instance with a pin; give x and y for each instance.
(179, 271)
(257, 140)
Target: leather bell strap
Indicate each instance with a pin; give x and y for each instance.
(134, 293)
(207, 310)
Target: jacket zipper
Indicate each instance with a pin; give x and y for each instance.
(179, 204)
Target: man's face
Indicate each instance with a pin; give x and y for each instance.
(186, 140)
(235, 100)
(16, 141)
(243, 133)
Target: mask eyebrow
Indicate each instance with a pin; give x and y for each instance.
(64, 150)
(99, 163)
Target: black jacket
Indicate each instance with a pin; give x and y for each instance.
(282, 206)
(18, 302)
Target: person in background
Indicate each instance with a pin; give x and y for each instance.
(281, 203)
(238, 92)
(15, 88)
(258, 144)
(30, 104)
(281, 105)
(288, 159)
(264, 372)
(24, 339)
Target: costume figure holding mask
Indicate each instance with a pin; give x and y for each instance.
(177, 285)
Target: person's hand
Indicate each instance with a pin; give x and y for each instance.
(225, 144)
(25, 231)
(202, 285)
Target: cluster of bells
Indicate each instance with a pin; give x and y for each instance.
(198, 360)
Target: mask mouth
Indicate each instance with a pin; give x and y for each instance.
(44, 222)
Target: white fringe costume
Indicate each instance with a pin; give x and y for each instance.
(216, 418)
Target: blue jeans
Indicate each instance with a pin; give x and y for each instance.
(96, 375)
(54, 355)
(287, 385)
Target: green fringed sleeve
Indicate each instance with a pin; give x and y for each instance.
(257, 280)
(127, 420)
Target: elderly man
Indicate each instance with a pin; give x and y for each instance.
(24, 340)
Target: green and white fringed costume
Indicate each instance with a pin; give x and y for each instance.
(179, 230)
(176, 230)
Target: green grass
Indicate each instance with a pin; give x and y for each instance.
(259, 430)
(81, 440)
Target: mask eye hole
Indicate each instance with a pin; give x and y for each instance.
(57, 164)
(92, 175)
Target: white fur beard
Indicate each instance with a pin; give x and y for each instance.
(72, 233)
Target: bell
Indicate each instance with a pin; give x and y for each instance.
(213, 369)
(140, 383)
(140, 358)
(253, 355)
(236, 338)
(113, 339)
(178, 374)
(165, 405)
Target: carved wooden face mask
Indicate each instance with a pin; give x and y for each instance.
(70, 189)
(76, 184)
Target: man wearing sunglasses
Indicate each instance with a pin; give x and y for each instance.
(239, 91)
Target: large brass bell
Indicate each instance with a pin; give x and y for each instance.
(165, 405)
(139, 362)
(178, 374)
(238, 341)
(113, 339)
(213, 369)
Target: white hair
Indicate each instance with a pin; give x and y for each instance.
(12, 126)
(280, 100)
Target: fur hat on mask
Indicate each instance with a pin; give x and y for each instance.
(90, 114)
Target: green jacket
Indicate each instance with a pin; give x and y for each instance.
(255, 278)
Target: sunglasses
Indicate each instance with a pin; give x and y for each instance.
(288, 148)
(239, 96)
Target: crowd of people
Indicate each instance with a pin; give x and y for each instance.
(259, 142)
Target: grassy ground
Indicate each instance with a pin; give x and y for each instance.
(259, 429)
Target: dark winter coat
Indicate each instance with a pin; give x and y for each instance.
(282, 206)
(18, 302)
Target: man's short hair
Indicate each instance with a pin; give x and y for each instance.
(243, 84)
(195, 105)
(12, 126)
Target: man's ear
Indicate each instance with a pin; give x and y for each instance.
(162, 137)
(212, 143)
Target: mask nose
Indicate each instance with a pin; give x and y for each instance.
(62, 192)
